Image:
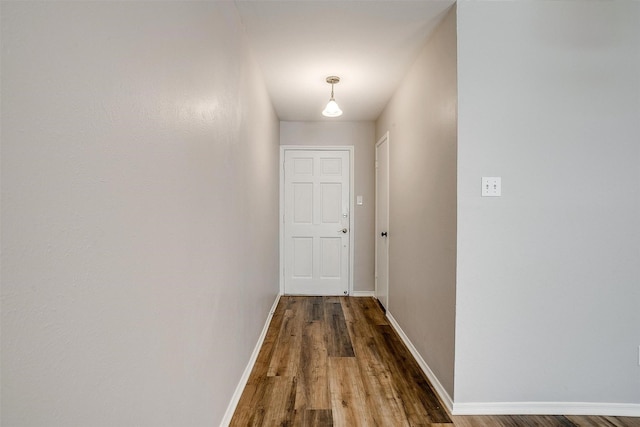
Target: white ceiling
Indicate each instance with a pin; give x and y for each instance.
(370, 45)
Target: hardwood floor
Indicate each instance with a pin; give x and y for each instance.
(336, 361)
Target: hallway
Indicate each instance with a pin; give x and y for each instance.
(337, 361)
(141, 219)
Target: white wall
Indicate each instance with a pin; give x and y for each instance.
(139, 212)
(421, 120)
(548, 294)
(361, 136)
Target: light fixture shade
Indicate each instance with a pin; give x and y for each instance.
(332, 109)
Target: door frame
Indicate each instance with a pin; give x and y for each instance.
(384, 138)
(351, 150)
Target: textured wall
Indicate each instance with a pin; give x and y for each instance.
(139, 212)
(361, 136)
(421, 120)
(548, 306)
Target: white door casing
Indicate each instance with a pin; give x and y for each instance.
(316, 232)
(382, 221)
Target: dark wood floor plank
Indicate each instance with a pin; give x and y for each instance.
(286, 355)
(371, 311)
(348, 403)
(626, 421)
(248, 412)
(382, 399)
(593, 421)
(315, 309)
(386, 404)
(313, 382)
(354, 324)
(268, 346)
(405, 368)
(584, 421)
(474, 421)
(514, 421)
(317, 418)
(337, 333)
(544, 421)
(411, 395)
(357, 324)
(280, 408)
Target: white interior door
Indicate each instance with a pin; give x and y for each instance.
(316, 222)
(382, 221)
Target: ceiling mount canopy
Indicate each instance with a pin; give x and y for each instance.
(332, 109)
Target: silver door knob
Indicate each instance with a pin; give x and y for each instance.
(344, 230)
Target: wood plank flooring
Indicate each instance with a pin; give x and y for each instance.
(336, 361)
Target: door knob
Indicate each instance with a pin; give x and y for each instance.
(383, 234)
(344, 230)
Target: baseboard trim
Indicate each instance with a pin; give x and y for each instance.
(226, 419)
(548, 408)
(442, 393)
(363, 293)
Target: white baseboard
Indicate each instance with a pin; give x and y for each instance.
(515, 408)
(363, 293)
(226, 419)
(548, 408)
(442, 393)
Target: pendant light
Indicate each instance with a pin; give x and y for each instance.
(332, 109)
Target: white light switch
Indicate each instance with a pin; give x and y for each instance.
(359, 200)
(491, 186)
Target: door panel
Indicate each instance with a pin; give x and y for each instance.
(316, 222)
(330, 257)
(303, 203)
(331, 202)
(302, 257)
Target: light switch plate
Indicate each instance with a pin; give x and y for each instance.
(491, 186)
(359, 200)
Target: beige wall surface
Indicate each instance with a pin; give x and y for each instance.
(362, 136)
(139, 212)
(421, 120)
(548, 295)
